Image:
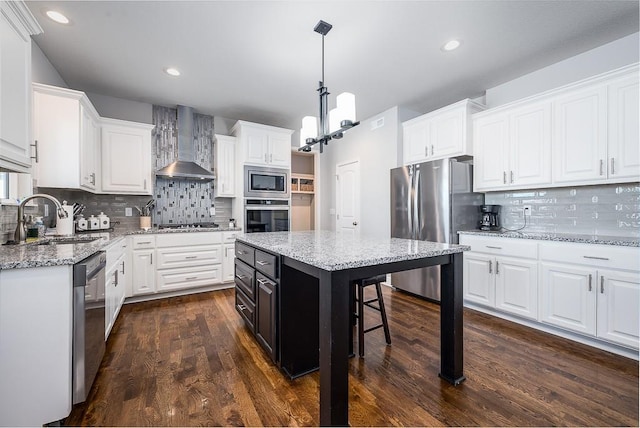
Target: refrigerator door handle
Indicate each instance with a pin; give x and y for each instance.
(409, 206)
(416, 205)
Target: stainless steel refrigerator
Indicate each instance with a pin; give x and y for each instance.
(431, 201)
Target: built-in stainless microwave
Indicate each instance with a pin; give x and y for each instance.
(260, 182)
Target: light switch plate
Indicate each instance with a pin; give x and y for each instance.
(212, 211)
(128, 212)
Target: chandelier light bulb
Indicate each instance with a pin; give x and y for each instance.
(346, 102)
(309, 129)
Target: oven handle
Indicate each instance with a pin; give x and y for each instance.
(266, 208)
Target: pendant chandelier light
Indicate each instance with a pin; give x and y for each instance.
(338, 120)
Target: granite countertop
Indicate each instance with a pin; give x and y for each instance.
(32, 255)
(622, 241)
(330, 251)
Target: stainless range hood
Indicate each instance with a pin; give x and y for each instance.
(185, 167)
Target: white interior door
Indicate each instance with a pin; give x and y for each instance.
(348, 198)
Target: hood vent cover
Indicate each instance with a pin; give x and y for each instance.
(185, 167)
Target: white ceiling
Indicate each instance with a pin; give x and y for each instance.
(261, 60)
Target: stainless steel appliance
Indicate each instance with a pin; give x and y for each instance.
(431, 201)
(490, 217)
(88, 323)
(269, 183)
(266, 215)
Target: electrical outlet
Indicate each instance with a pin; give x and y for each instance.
(128, 212)
(527, 210)
(212, 211)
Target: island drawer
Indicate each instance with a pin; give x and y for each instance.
(143, 242)
(246, 308)
(245, 279)
(266, 263)
(245, 253)
(501, 246)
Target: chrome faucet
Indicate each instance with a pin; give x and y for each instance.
(20, 235)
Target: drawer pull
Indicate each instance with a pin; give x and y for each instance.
(596, 258)
(262, 263)
(241, 277)
(490, 264)
(242, 307)
(239, 252)
(601, 284)
(590, 280)
(191, 278)
(191, 257)
(144, 242)
(495, 248)
(262, 281)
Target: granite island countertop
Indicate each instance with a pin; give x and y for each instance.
(31, 255)
(559, 237)
(331, 251)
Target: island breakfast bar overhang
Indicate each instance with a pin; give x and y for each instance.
(335, 325)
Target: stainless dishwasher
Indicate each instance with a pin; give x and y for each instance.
(88, 322)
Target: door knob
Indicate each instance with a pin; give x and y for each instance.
(355, 223)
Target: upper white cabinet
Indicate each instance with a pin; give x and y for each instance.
(581, 134)
(17, 25)
(225, 162)
(513, 147)
(126, 157)
(66, 133)
(440, 134)
(262, 144)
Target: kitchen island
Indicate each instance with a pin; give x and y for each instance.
(336, 260)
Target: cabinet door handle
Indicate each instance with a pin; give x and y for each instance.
(93, 177)
(191, 278)
(601, 284)
(432, 150)
(590, 280)
(601, 167)
(497, 267)
(265, 158)
(115, 284)
(151, 258)
(271, 158)
(262, 263)
(426, 151)
(490, 265)
(123, 267)
(511, 177)
(35, 146)
(191, 257)
(242, 307)
(495, 248)
(262, 281)
(504, 177)
(613, 166)
(596, 258)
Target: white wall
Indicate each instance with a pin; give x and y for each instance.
(119, 108)
(607, 57)
(377, 151)
(42, 71)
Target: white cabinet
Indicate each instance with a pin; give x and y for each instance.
(66, 138)
(115, 283)
(126, 157)
(439, 134)
(228, 255)
(494, 275)
(513, 148)
(592, 290)
(623, 125)
(580, 135)
(17, 24)
(262, 144)
(225, 161)
(142, 264)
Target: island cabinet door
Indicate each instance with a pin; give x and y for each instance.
(266, 313)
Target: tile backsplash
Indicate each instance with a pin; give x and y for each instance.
(612, 209)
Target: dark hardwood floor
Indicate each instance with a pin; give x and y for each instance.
(189, 361)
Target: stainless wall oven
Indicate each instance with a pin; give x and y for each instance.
(269, 183)
(266, 215)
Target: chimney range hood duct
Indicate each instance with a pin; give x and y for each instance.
(185, 167)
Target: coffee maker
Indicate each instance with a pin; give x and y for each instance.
(490, 217)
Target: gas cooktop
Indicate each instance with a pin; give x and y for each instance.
(188, 226)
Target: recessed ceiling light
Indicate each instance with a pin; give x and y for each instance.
(451, 45)
(172, 71)
(57, 16)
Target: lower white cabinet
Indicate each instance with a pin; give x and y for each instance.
(507, 283)
(115, 283)
(592, 290)
(175, 261)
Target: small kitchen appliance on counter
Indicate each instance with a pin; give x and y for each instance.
(490, 217)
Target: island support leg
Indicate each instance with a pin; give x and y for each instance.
(335, 325)
(451, 326)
